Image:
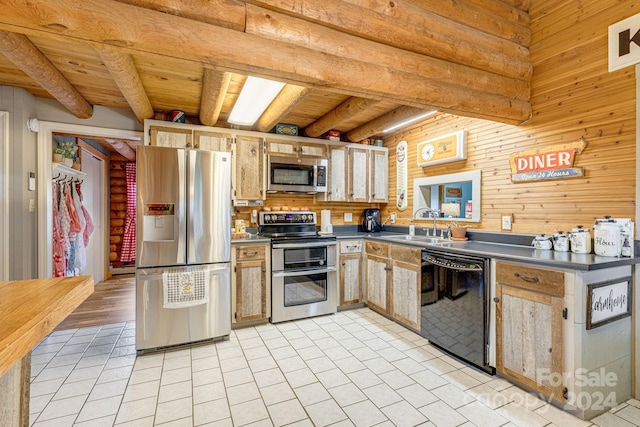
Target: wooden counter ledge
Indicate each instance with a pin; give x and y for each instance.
(31, 309)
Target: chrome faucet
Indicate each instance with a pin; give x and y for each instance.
(435, 213)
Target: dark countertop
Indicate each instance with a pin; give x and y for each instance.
(528, 254)
(506, 246)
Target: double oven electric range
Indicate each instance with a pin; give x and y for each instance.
(304, 279)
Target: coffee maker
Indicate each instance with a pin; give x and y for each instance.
(371, 222)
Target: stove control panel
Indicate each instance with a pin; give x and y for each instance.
(287, 218)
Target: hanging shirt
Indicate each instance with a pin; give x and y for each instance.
(58, 266)
(74, 226)
(88, 229)
(80, 255)
(65, 219)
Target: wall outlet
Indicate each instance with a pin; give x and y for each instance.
(348, 217)
(392, 218)
(507, 220)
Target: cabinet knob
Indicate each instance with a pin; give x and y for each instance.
(343, 264)
(496, 300)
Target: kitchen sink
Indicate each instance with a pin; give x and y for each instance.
(425, 239)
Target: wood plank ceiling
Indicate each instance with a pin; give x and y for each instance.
(349, 65)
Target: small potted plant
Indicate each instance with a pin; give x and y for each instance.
(68, 151)
(458, 232)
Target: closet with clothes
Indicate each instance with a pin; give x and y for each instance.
(72, 223)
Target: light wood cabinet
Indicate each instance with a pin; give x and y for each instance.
(338, 161)
(405, 284)
(529, 327)
(250, 283)
(179, 136)
(295, 149)
(212, 141)
(248, 169)
(379, 185)
(393, 281)
(350, 285)
(168, 136)
(358, 175)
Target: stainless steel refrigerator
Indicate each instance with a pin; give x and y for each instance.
(183, 286)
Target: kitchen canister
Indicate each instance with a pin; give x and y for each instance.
(542, 242)
(580, 239)
(560, 242)
(606, 237)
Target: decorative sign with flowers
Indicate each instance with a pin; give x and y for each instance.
(555, 162)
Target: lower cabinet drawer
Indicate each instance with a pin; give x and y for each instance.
(532, 278)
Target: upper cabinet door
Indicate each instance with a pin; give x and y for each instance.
(282, 148)
(379, 176)
(295, 149)
(248, 171)
(166, 136)
(337, 191)
(212, 141)
(359, 174)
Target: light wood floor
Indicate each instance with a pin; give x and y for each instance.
(112, 301)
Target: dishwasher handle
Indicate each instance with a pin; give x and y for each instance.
(452, 263)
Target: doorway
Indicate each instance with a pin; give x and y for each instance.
(96, 185)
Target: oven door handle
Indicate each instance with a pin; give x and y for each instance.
(303, 272)
(303, 245)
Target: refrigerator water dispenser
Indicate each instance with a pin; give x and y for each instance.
(159, 222)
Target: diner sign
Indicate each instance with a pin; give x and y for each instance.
(555, 162)
(608, 301)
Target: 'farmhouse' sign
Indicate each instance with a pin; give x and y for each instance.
(624, 43)
(553, 162)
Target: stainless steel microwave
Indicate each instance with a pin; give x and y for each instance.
(297, 175)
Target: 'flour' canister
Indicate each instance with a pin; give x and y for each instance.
(606, 237)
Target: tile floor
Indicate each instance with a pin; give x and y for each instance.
(352, 368)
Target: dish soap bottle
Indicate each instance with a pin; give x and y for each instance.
(412, 229)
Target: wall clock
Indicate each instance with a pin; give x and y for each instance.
(443, 149)
(428, 151)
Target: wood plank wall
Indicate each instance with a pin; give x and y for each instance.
(117, 207)
(573, 95)
(308, 201)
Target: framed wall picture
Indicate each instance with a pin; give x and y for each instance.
(608, 302)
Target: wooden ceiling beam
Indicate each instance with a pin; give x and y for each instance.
(124, 73)
(26, 56)
(428, 34)
(343, 112)
(289, 97)
(385, 121)
(503, 26)
(286, 29)
(223, 13)
(144, 31)
(120, 146)
(214, 88)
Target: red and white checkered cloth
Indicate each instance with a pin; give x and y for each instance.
(128, 251)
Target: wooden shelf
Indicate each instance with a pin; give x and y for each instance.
(65, 171)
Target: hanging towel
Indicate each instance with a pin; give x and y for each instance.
(185, 288)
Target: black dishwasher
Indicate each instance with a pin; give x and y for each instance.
(455, 305)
